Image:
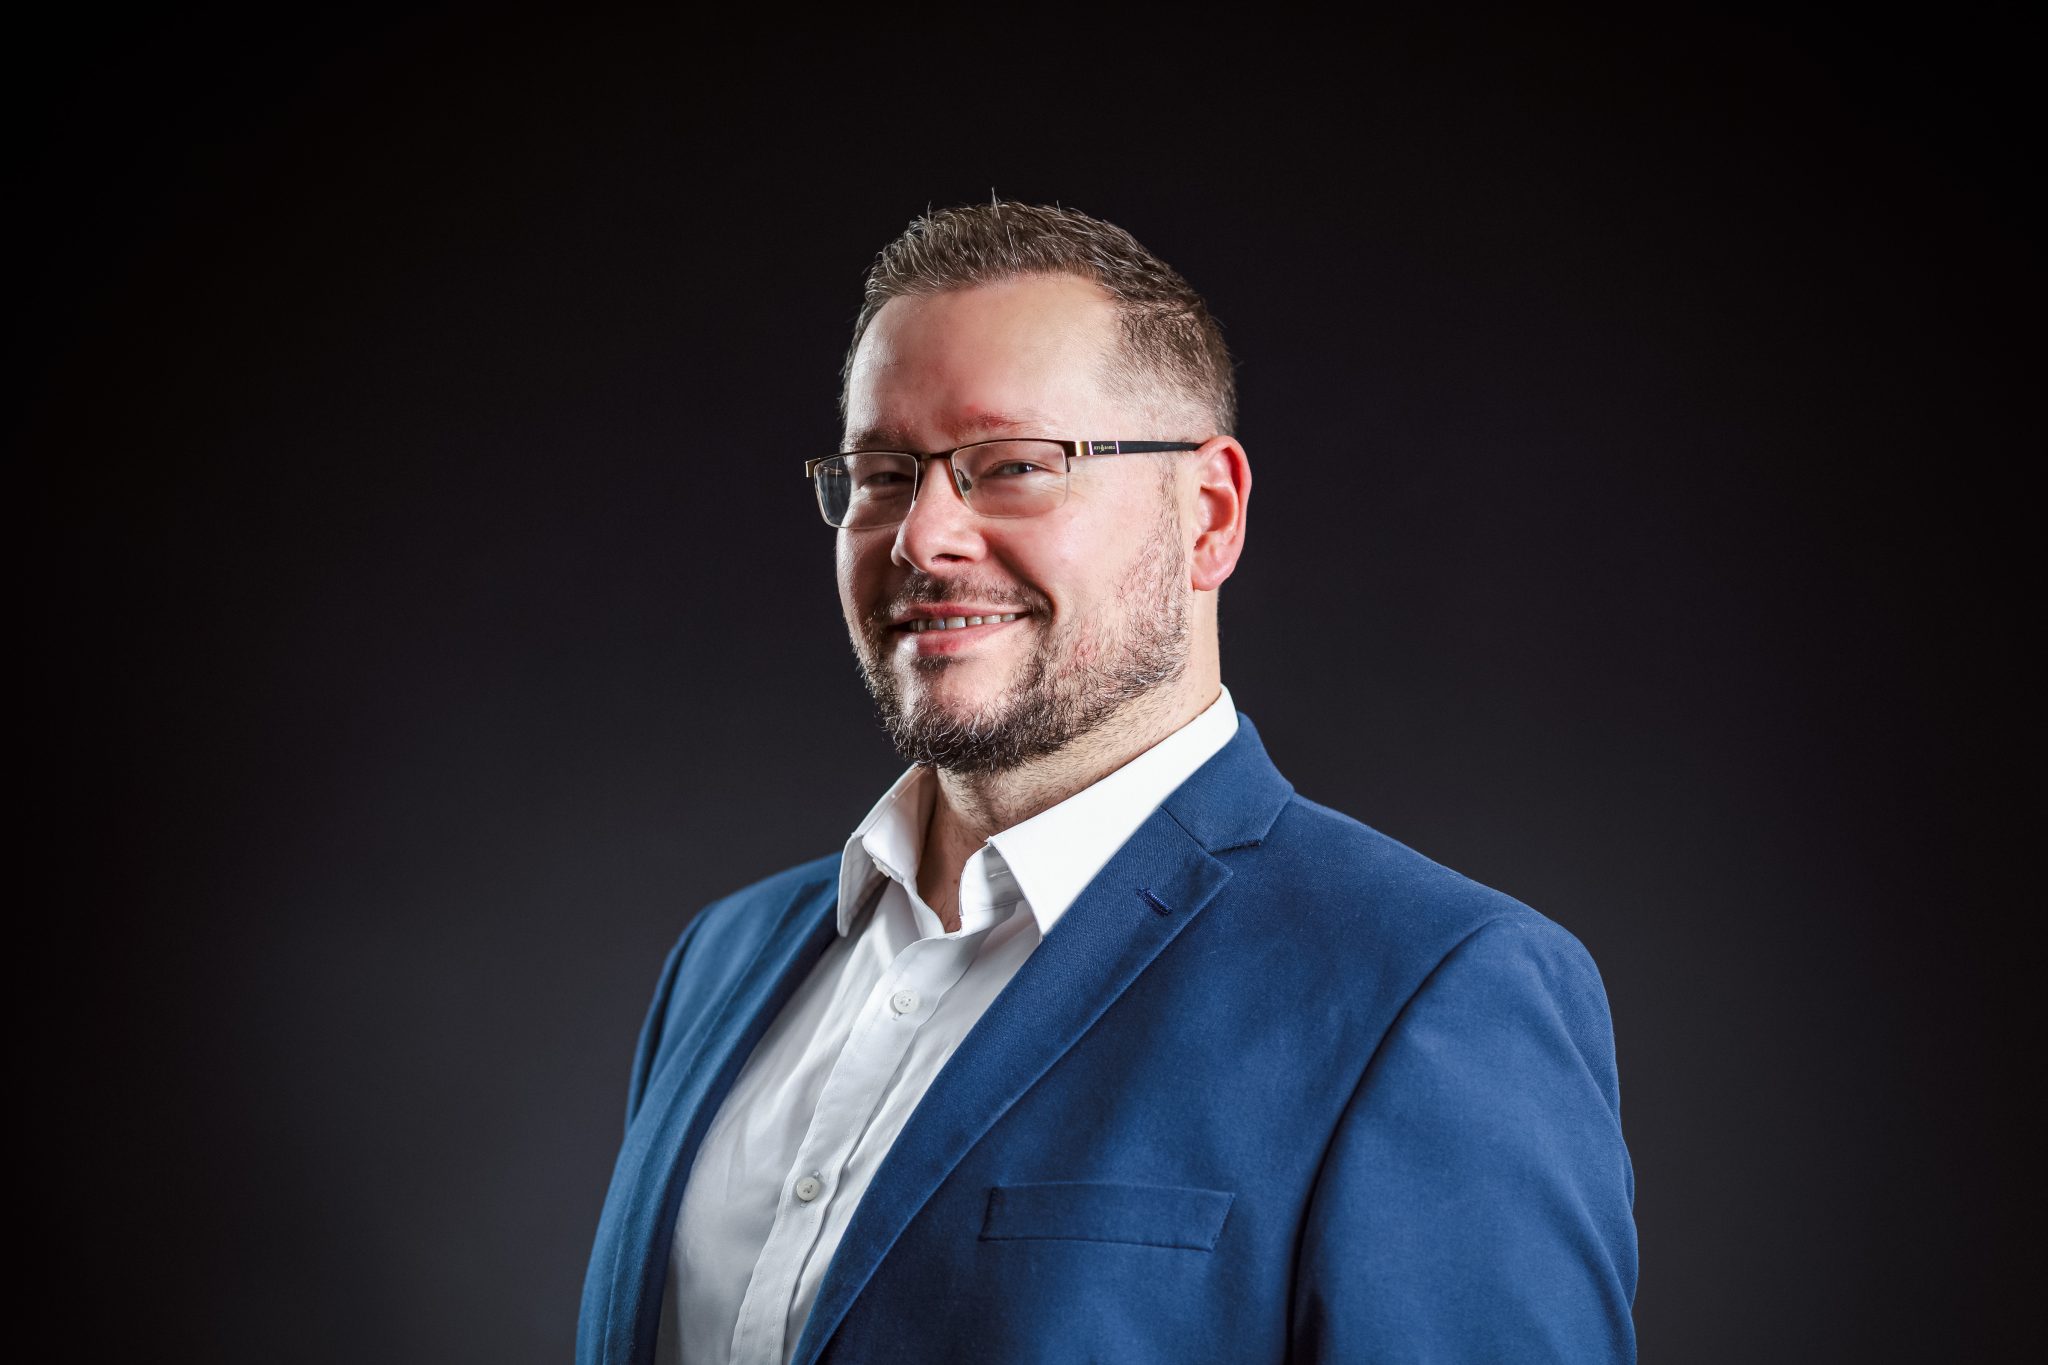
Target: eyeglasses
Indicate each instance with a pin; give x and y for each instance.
(862, 489)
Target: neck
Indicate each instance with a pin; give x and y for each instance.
(969, 807)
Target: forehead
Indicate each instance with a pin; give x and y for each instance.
(969, 361)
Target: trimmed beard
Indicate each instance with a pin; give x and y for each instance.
(1075, 680)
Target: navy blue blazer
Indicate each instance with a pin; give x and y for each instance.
(1276, 1088)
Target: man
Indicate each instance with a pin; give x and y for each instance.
(1096, 1043)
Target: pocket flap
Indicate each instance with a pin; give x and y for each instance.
(1086, 1211)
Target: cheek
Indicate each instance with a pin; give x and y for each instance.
(1080, 570)
(854, 564)
(1062, 566)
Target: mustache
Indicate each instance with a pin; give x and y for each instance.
(923, 590)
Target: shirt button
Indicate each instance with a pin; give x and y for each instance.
(903, 1002)
(809, 1188)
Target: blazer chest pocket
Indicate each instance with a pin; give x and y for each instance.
(1087, 1211)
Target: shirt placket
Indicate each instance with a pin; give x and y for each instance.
(900, 1002)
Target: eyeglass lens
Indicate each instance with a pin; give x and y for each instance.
(997, 479)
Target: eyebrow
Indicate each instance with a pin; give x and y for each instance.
(974, 428)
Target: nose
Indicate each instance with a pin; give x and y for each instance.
(939, 527)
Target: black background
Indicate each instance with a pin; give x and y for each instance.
(426, 614)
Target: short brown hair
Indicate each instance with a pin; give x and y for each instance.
(1168, 336)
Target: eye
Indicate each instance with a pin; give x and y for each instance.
(1016, 469)
(1015, 462)
(879, 474)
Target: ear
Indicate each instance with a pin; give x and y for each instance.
(1222, 494)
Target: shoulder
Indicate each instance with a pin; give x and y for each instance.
(1357, 877)
(709, 958)
(738, 921)
(720, 940)
(1373, 913)
(778, 886)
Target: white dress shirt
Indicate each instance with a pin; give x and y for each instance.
(831, 1084)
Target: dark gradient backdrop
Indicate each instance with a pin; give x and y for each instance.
(426, 614)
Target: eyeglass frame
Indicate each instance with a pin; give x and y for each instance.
(1081, 449)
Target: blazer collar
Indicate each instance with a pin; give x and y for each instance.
(1234, 798)
(1157, 883)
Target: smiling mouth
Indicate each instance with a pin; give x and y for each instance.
(922, 625)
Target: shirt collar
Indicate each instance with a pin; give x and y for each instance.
(887, 842)
(1053, 855)
(1056, 853)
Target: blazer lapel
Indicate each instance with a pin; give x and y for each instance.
(1141, 900)
(647, 1185)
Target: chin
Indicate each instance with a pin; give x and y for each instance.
(932, 692)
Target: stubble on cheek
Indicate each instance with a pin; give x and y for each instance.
(1071, 677)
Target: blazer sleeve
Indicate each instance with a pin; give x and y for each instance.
(1476, 1202)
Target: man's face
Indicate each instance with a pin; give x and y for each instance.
(1099, 586)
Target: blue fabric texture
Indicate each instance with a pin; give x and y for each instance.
(1276, 1088)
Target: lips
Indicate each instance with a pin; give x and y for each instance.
(930, 618)
(947, 629)
(922, 624)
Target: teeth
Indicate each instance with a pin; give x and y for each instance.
(959, 622)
